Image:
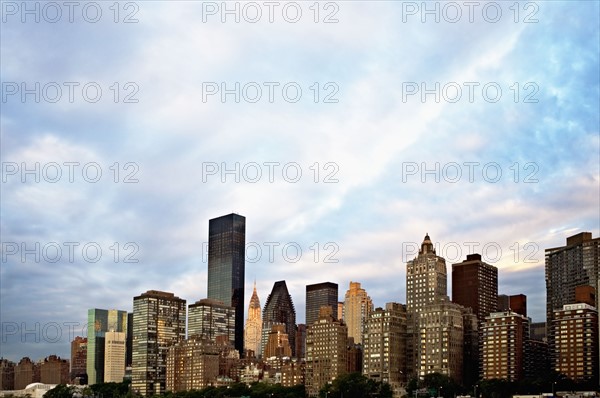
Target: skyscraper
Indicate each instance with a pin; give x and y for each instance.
(78, 357)
(576, 264)
(318, 295)
(426, 282)
(211, 319)
(99, 322)
(475, 286)
(226, 267)
(357, 307)
(158, 323)
(385, 346)
(114, 356)
(279, 308)
(326, 351)
(253, 331)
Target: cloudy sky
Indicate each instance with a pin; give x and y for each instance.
(343, 131)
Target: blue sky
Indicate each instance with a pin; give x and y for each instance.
(480, 128)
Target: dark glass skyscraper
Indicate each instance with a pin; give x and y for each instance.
(226, 266)
(279, 308)
(318, 295)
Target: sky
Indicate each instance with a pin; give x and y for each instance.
(343, 131)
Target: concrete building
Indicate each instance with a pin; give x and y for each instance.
(301, 341)
(505, 335)
(192, 364)
(576, 342)
(211, 318)
(385, 346)
(26, 372)
(279, 308)
(326, 351)
(7, 374)
(158, 323)
(114, 356)
(278, 344)
(515, 303)
(79, 358)
(441, 340)
(357, 308)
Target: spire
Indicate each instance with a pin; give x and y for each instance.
(427, 246)
(254, 301)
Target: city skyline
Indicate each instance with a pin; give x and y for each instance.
(380, 167)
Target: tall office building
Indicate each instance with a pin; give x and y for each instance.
(426, 282)
(279, 308)
(253, 330)
(326, 351)
(226, 267)
(576, 264)
(278, 344)
(78, 357)
(301, 341)
(158, 323)
(192, 364)
(129, 343)
(114, 356)
(319, 295)
(440, 347)
(357, 308)
(576, 347)
(99, 322)
(385, 346)
(475, 286)
(505, 336)
(211, 318)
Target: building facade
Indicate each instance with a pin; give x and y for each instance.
(211, 318)
(576, 342)
(326, 351)
(253, 330)
(575, 264)
(319, 295)
(505, 335)
(475, 286)
(192, 364)
(54, 370)
(114, 356)
(78, 357)
(441, 340)
(357, 308)
(7, 375)
(99, 322)
(385, 346)
(279, 309)
(158, 323)
(226, 267)
(278, 344)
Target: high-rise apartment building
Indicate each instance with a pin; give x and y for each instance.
(226, 267)
(475, 286)
(441, 339)
(505, 335)
(158, 323)
(78, 357)
(253, 330)
(211, 318)
(385, 346)
(426, 282)
(54, 370)
(575, 264)
(99, 322)
(317, 296)
(279, 308)
(7, 375)
(114, 356)
(192, 364)
(576, 342)
(357, 308)
(26, 372)
(326, 351)
(278, 344)
(515, 303)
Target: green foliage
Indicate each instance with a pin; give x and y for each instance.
(61, 391)
(355, 385)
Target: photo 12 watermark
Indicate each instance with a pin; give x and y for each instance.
(271, 172)
(472, 172)
(471, 92)
(269, 92)
(469, 11)
(288, 252)
(71, 172)
(71, 252)
(491, 252)
(42, 332)
(270, 11)
(69, 92)
(89, 12)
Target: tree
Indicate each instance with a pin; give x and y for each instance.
(61, 391)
